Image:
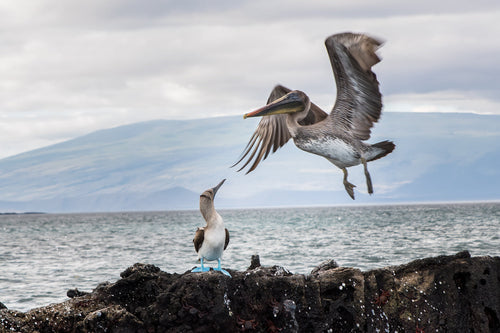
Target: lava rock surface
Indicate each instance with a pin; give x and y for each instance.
(441, 294)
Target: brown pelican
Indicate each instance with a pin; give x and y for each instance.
(338, 136)
(210, 241)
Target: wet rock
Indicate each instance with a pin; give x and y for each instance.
(141, 269)
(446, 293)
(324, 266)
(114, 319)
(75, 293)
(254, 262)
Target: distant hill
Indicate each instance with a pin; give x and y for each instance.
(166, 164)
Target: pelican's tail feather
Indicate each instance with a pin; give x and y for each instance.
(383, 148)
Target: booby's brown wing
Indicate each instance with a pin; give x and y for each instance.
(227, 239)
(359, 102)
(198, 238)
(272, 132)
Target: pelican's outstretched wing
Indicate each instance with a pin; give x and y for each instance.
(359, 102)
(272, 131)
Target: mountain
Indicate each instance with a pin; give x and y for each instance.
(166, 164)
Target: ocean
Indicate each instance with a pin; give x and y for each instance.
(44, 255)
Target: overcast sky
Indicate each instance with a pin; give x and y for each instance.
(71, 67)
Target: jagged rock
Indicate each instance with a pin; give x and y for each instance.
(446, 293)
(140, 268)
(75, 293)
(254, 262)
(324, 266)
(114, 319)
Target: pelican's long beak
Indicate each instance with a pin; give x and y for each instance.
(216, 188)
(290, 103)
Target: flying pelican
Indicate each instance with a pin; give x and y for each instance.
(338, 136)
(210, 241)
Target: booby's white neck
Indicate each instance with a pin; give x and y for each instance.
(211, 216)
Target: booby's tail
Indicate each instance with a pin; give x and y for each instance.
(383, 148)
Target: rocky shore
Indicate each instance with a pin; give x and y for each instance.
(441, 294)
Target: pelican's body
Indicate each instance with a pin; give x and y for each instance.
(341, 150)
(338, 136)
(210, 241)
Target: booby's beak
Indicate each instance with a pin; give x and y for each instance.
(292, 102)
(216, 188)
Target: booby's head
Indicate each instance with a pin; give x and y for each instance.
(294, 102)
(207, 200)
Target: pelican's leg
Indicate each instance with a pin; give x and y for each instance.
(220, 269)
(367, 175)
(201, 268)
(348, 186)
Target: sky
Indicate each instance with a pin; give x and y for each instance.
(68, 68)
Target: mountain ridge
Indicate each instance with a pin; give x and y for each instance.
(165, 164)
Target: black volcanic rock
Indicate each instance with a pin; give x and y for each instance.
(446, 293)
(75, 293)
(324, 266)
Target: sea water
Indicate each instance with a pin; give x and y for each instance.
(42, 256)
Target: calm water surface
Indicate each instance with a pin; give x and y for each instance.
(42, 256)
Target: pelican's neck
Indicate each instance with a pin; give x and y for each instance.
(292, 120)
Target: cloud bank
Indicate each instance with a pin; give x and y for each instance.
(68, 68)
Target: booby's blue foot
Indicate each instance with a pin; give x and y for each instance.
(201, 268)
(221, 270)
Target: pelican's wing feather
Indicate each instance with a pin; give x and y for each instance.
(359, 102)
(272, 132)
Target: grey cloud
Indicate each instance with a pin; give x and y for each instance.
(139, 60)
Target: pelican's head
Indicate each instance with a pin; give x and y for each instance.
(293, 102)
(207, 199)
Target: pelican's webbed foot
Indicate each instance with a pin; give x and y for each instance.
(220, 269)
(368, 178)
(348, 186)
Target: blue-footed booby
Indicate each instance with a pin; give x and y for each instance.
(210, 241)
(338, 136)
